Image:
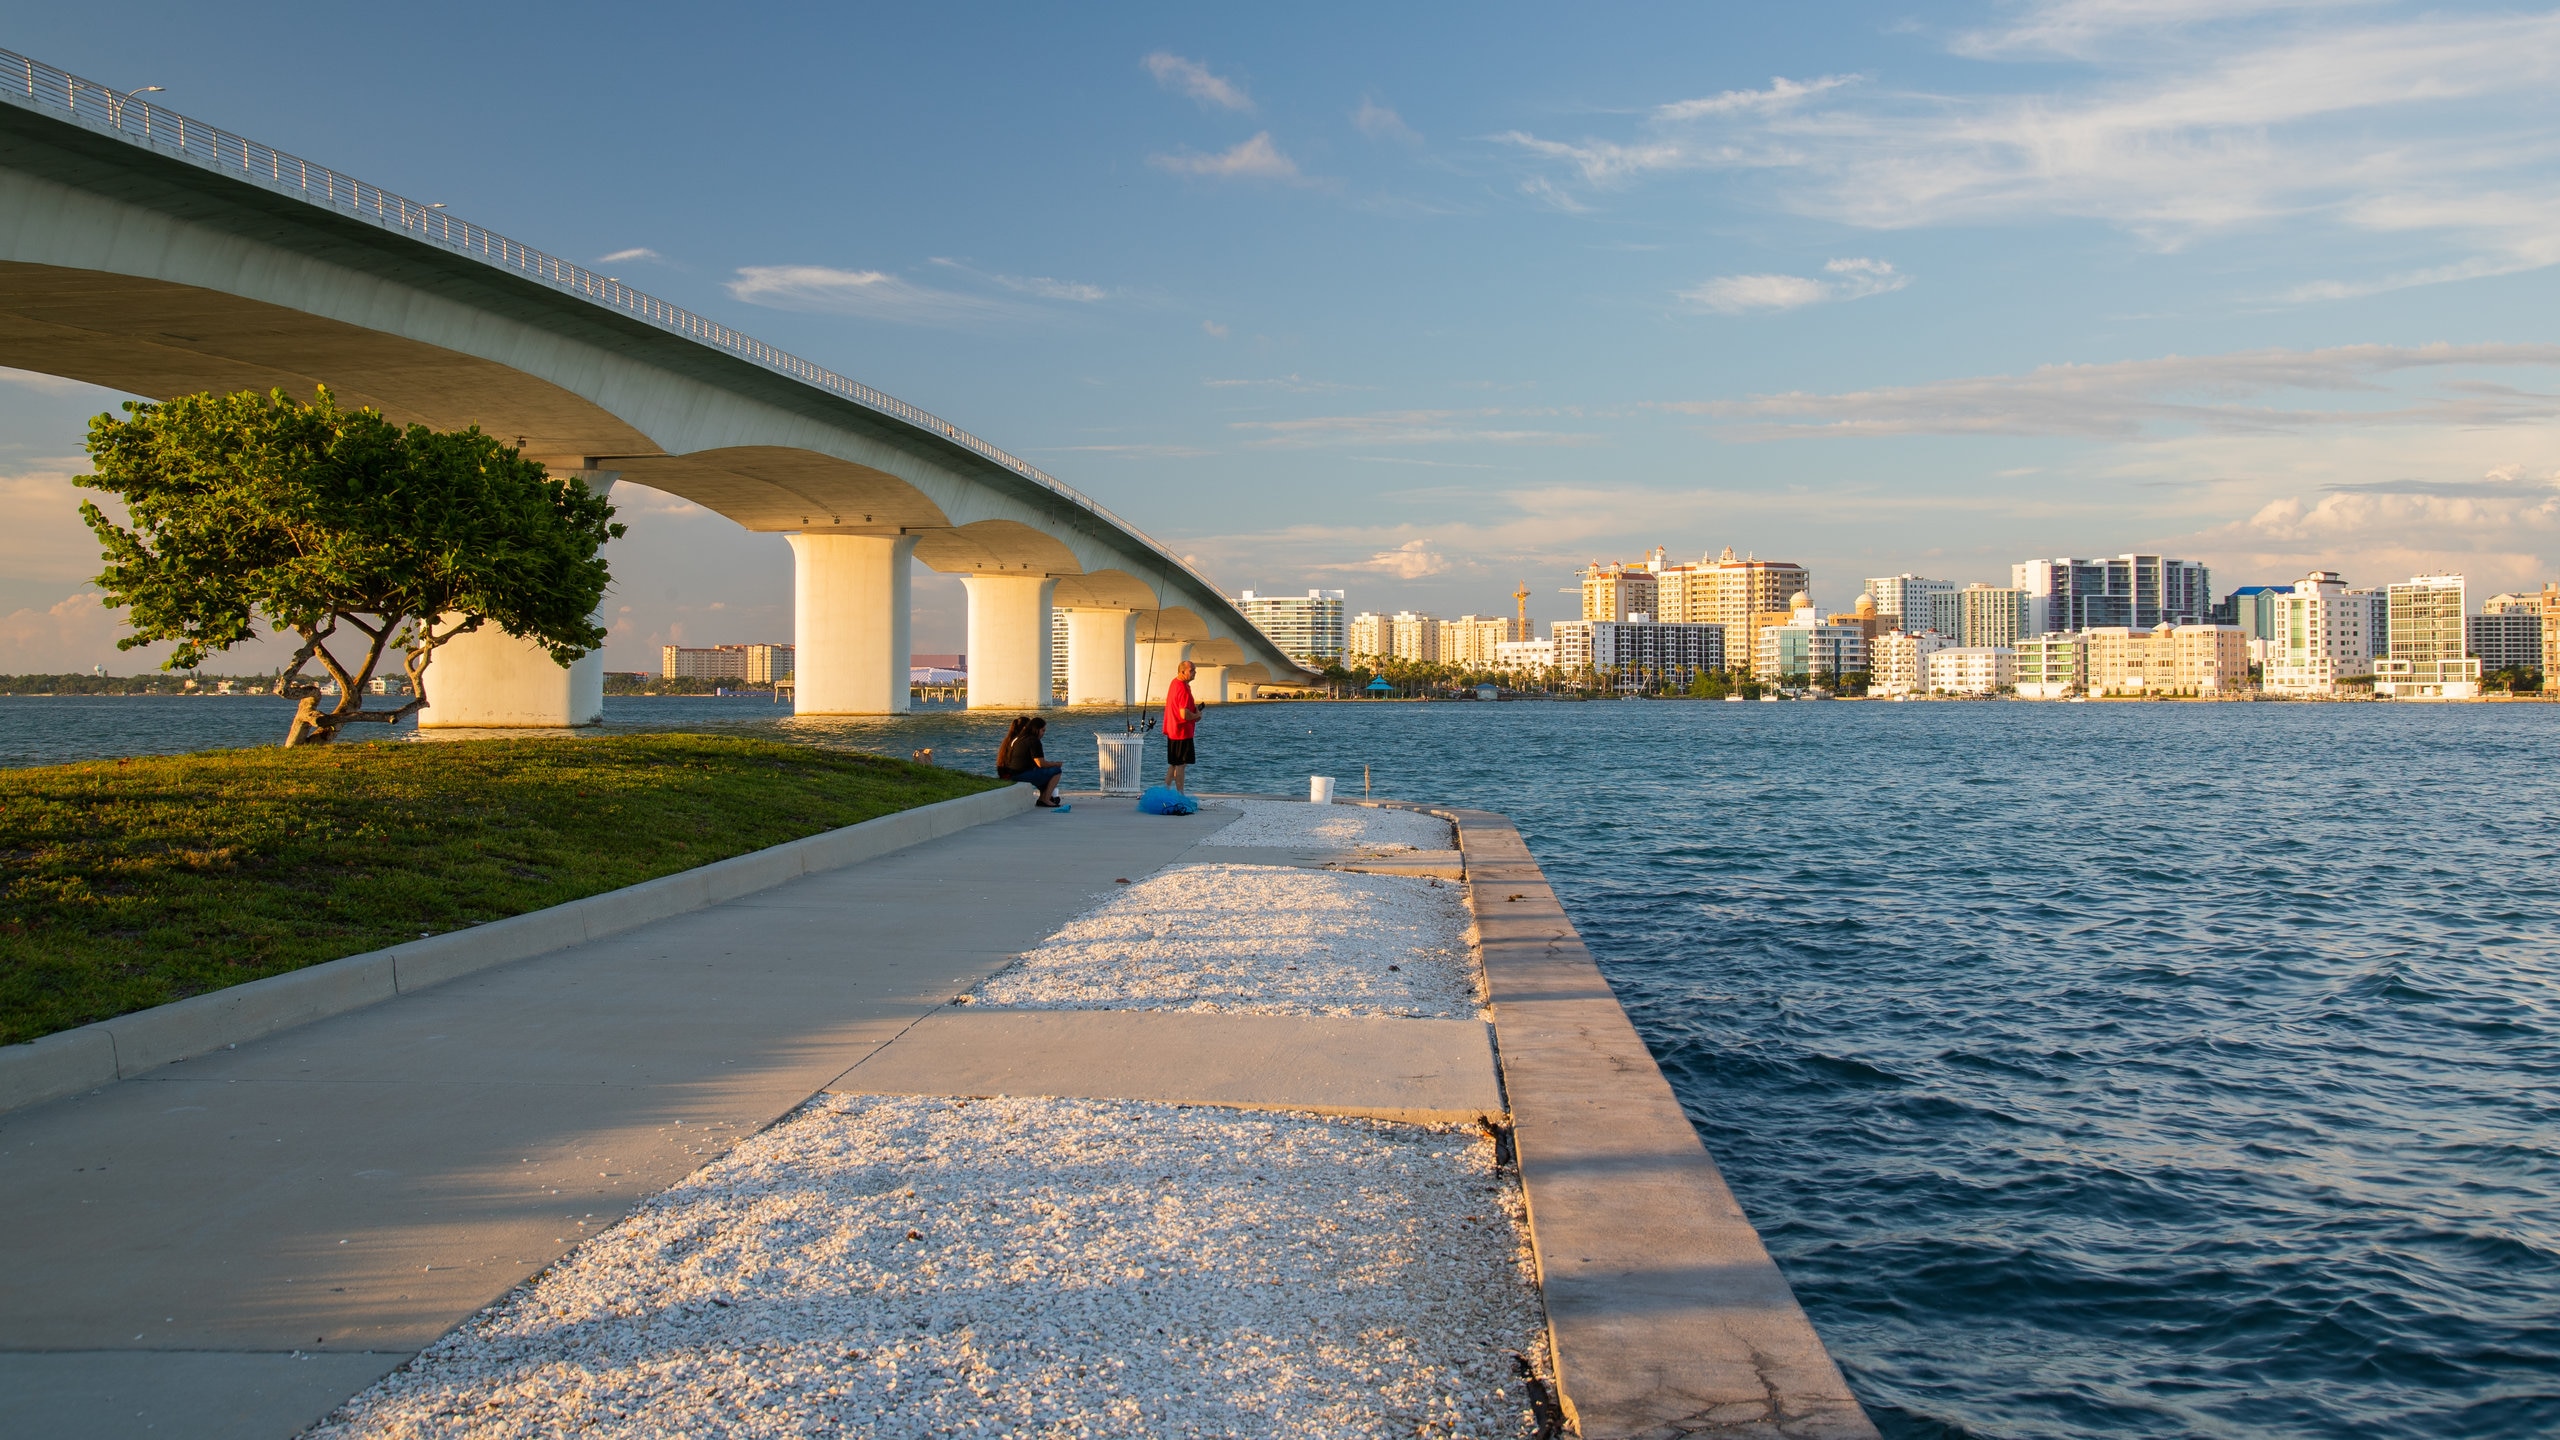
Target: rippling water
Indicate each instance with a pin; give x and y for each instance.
(2092, 1070)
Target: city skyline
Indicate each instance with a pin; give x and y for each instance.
(1426, 316)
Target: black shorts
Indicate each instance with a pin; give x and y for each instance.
(1179, 752)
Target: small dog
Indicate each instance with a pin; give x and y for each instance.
(924, 756)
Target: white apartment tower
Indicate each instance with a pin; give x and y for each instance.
(2323, 635)
(1307, 628)
(1902, 601)
(2133, 591)
(2427, 659)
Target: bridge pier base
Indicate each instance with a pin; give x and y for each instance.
(1209, 683)
(1157, 660)
(849, 600)
(1009, 641)
(1101, 650)
(491, 679)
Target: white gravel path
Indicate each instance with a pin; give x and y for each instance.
(1257, 940)
(1296, 824)
(906, 1267)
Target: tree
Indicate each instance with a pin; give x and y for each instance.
(321, 521)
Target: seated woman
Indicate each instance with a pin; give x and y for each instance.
(1020, 759)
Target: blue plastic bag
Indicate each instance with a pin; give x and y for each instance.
(1165, 800)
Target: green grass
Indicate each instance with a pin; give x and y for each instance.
(130, 883)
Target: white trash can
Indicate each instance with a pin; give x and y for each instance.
(1123, 761)
(1319, 789)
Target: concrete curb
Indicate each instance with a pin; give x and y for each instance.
(1665, 1312)
(85, 1058)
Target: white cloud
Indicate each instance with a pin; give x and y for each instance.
(872, 294)
(1293, 383)
(636, 252)
(1190, 77)
(1380, 122)
(2135, 399)
(1853, 279)
(2185, 119)
(1214, 330)
(42, 537)
(1412, 560)
(1254, 159)
(1405, 427)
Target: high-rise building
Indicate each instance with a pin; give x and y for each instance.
(1058, 630)
(1902, 601)
(1471, 640)
(2168, 660)
(768, 663)
(2130, 591)
(2551, 639)
(2506, 634)
(1307, 628)
(1369, 636)
(1616, 592)
(1414, 637)
(1991, 616)
(1638, 653)
(2052, 666)
(2322, 636)
(2252, 608)
(1531, 657)
(1721, 590)
(1898, 662)
(2426, 659)
(716, 662)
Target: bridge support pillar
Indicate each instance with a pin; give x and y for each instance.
(1157, 660)
(849, 601)
(1101, 646)
(1009, 641)
(489, 679)
(1209, 683)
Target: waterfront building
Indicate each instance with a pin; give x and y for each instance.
(1898, 663)
(2426, 659)
(1991, 616)
(1368, 636)
(1058, 630)
(2052, 666)
(1413, 637)
(2507, 633)
(1527, 657)
(1902, 601)
(2130, 592)
(1721, 590)
(1865, 617)
(2322, 638)
(2168, 660)
(1804, 649)
(753, 664)
(1616, 592)
(2551, 639)
(2252, 608)
(1639, 652)
(1307, 628)
(1972, 669)
(1471, 640)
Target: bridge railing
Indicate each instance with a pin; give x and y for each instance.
(35, 85)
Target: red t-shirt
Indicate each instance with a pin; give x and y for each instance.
(1178, 708)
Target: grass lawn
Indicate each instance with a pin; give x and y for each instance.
(129, 883)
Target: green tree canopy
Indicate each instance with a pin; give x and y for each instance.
(357, 535)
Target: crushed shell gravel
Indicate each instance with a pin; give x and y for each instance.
(927, 1267)
(1297, 825)
(1257, 940)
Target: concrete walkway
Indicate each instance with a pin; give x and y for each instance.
(232, 1245)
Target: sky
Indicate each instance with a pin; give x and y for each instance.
(1424, 303)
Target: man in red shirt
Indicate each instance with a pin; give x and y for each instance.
(1181, 722)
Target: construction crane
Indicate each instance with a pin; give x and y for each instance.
(1521, 598)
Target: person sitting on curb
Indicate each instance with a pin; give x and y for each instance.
(1020, 760)
(1181, 725)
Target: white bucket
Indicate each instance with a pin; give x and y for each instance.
(1123, 759)
(1319, 789)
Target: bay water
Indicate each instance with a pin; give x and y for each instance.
(2114, 1070)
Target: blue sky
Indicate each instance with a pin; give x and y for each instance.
(1424, 303)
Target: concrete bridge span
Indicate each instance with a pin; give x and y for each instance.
(144, 251)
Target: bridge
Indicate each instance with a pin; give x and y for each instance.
(150, 253)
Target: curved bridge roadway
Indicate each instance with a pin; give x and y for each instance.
(146, 252)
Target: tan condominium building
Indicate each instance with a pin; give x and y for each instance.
(754, 664)
(2551, 639)
(1990, 616)
(1369, 636)
(1620, 591)
(1474, 640)
(1898, 661)
(1414, 638)
(1972, 669)
(2323, 636)
(1721, 590)
(2506, 636)
(2052, 666)
(2168, 660)
(2427, 659)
